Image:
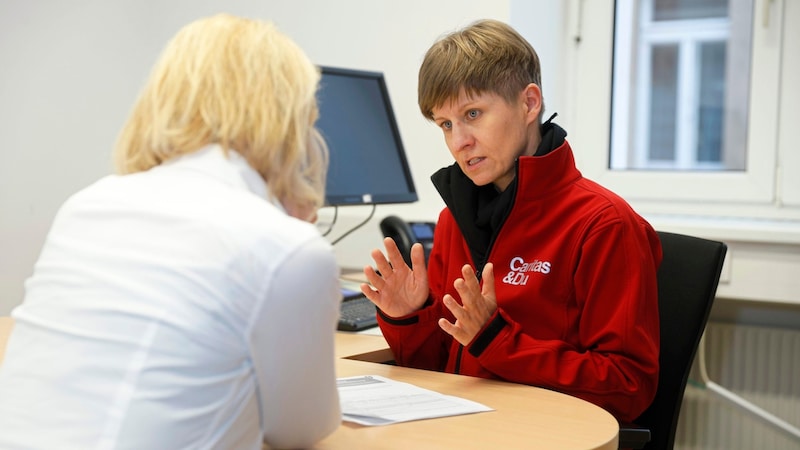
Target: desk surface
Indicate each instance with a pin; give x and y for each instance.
(524, 416)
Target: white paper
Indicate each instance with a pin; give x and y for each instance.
(376, 400)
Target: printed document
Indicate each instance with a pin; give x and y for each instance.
(376, 400)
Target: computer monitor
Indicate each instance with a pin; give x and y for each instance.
(368, 163)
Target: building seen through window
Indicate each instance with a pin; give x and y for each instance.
(681, 84)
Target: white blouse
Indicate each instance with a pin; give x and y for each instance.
(175, 308)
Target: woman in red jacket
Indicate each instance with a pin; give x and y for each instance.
(538, 275)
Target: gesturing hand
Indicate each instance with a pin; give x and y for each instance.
(477, 305)
(397, 289)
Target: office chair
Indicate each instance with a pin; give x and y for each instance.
(687, 283)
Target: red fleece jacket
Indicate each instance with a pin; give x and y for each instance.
(575, 277)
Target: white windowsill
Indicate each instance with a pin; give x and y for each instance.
(765, 231)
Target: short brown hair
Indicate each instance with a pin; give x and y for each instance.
(243, 85)
(486, 56)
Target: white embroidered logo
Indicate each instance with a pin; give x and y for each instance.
(518, 275)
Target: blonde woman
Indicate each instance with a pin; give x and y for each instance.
(187, 302)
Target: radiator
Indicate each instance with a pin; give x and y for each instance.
(760, 365)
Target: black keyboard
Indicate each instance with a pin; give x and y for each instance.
(357, 313)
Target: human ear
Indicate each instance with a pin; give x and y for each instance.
(533, 100)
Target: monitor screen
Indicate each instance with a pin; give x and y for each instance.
(367, 161)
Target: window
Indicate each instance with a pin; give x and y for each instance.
(677, 84)
(677, 105)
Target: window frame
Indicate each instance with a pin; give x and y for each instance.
(590, 60)
(789, 135)
(687, 35)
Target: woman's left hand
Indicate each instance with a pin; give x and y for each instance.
(477, 304)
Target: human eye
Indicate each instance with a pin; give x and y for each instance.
(446, 125)
(473, 114)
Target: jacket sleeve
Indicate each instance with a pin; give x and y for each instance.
(612, 361)
(417, 340)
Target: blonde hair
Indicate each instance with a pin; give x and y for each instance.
(486, 56)
(239, 83)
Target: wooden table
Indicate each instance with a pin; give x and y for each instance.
(6, 324)
(524, 417)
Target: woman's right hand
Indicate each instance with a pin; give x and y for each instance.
(395, 288)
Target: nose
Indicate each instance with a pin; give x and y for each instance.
(460, 137)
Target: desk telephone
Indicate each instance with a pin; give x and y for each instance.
(405, 234)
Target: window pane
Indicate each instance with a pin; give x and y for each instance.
(689, 9)
(681, 87)
(663, 102)
(712, 96)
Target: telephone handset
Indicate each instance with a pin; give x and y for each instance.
(406, 234)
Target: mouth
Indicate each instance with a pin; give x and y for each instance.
(473, 161)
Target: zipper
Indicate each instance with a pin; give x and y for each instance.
(479, 268)
(490, 248)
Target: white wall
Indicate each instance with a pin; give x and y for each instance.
(69, 72)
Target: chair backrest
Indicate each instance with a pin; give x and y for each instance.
(687, 283)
